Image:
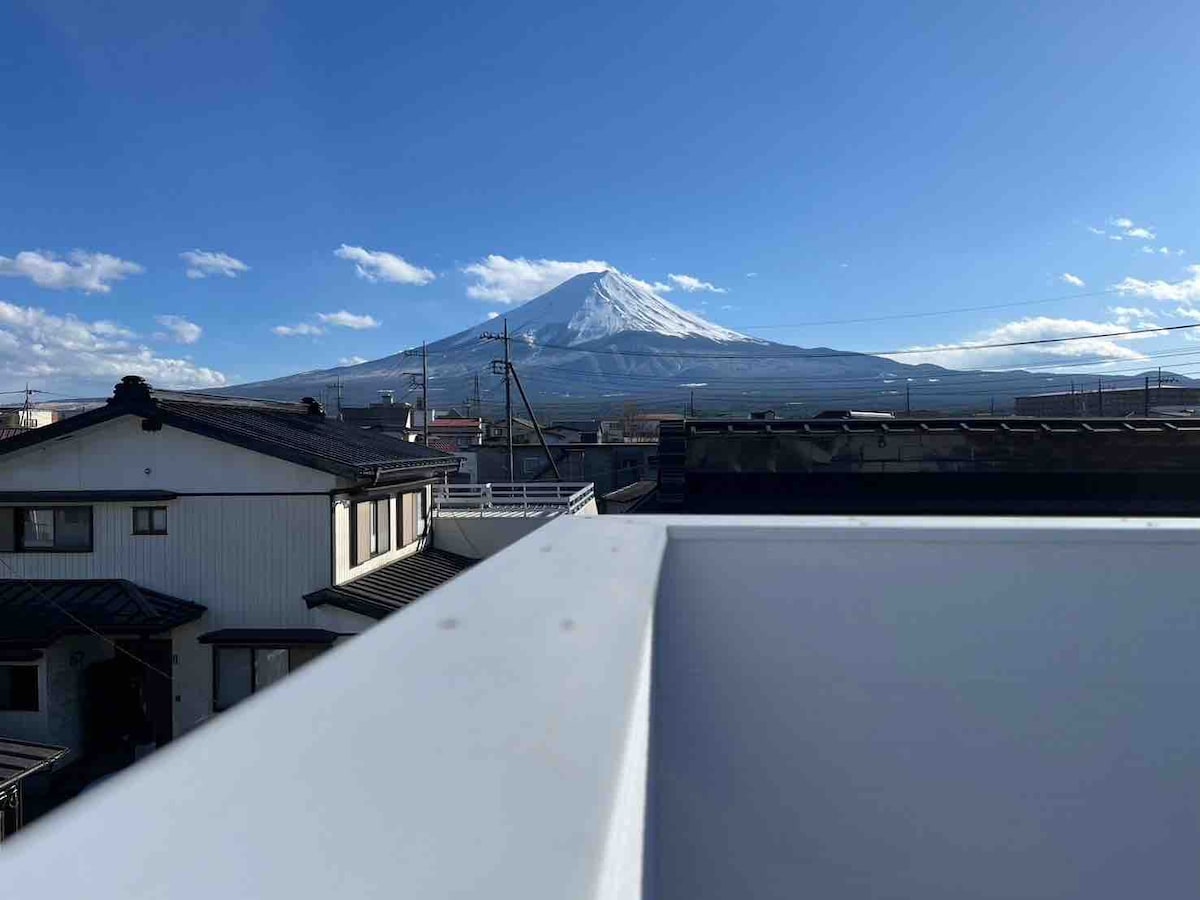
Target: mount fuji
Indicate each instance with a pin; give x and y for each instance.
(602, 340)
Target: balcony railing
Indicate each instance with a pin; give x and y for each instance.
(530, 497)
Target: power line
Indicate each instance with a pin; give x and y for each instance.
(82, 624)
(1061, 298)
(806, 354)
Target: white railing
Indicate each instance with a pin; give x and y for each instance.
(502, 497)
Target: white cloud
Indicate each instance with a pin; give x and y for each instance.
(92, 273)
(1126, 315)
(1121, 222)
(180, 329)
(1033, 329)
(352, 360)
(344, 319)
(1094, 230)
(202, 263)
(379, 265)
(1186, 312)
(502, 280)
(751, 274)
(653, 287)
(691, 284)
(1068, 278)
(1184, 291)
(1115, 237)
(304, 329)
(493, 315)
(67, 350)
(1142, 234)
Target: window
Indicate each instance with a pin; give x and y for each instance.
(18, 688)
(149, 520)
(371, 529)
(413, 515)
(65, 529)
(240, 671)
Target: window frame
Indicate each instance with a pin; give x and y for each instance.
(151, 510)
(37, 687)
(253, 651)
(18, 528)
(375, 533)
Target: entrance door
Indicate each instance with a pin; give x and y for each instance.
(156, 690)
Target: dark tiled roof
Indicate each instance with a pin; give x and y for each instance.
(296, 432)
(7, 432)
(393, 586)
(39, 612)
(21, 758)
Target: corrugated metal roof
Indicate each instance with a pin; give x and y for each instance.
(393, 586)
(38, 612)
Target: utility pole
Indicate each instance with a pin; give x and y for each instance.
(337, 386)
(1146, 411)
(992, 407)
(1160, 376)
(907, 399)
(1100, 396)
(536, 427)
(692, 403)
(507, 363)
(421, 380)
(512, 475)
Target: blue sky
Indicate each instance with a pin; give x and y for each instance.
(358, 179)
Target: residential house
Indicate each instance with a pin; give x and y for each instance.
(156, 554)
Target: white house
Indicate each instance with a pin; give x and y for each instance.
(156, 554)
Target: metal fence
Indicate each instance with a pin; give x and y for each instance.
(532, 495)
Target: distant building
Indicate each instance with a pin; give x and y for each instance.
(936, 465)
(453, 434)
(1108, 402)
(31, 417)
(608, 466)
(396, 419)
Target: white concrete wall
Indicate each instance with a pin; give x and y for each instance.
(934, 713)
(344, 569)
(118, 455)
(479, 537)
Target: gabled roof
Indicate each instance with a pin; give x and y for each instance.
(39, 612)
(393, 586)
(296, 432)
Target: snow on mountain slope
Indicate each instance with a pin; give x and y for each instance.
(598, 305)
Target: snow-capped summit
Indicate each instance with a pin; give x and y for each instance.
(598, 305)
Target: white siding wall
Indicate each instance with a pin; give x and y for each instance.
(249, 560)
(344, 569)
